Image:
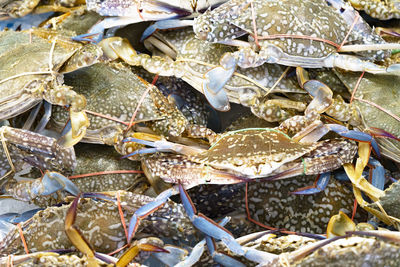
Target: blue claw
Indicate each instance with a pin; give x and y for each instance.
(319, 185)
(355, 135)
(18, 218)
(215, 80)
(165, 25)
(157, 146)
(218, 101)
(162, 146)
(53, 181)
(378, 173)
(210, 228)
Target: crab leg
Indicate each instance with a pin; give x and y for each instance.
(355, 135)
(208, 226)
(201, 222)
(144, 11)
(165, 25)
(162, 146)
(147, 209)
(319, 185)
(75, 235)
(79, 241)
(45, 118)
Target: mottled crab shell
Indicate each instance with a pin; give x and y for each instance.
(99, 222)
(112, 89)
(387, 98)
(354, 251)
(293, 17)
(26, 147)
(253, 152)
(383, 10)
(21, 52)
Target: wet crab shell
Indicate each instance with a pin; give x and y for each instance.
(300, 17)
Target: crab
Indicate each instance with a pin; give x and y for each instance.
(275, 203)
(20, 151)
(383, 10)
(123, 89)
(98, 169)
(300, 33)
(124, 13)
(251, 153)
(58, 259)
(23, 84)
(376, 248)
(378, 112)
(127, 93)
(98, 221)
(180, 57)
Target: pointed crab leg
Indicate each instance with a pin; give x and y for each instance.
(201, 222)
(208, 226)
(75, 235)
(147, 209)
(165, 25)
(162, 146)
(319, 185)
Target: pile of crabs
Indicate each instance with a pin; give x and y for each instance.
(199, 133)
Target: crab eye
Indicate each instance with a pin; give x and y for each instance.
(206, 28)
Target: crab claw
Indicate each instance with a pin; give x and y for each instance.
(355, 135)
(215, 80)
(322, 96)
(339, 224)
(172, 258)
(75, 129)
(53, 181)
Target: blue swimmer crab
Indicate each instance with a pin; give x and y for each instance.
(20, 151)
(24, 84)
(293, 33)
(180, 57)
(121, 13)
(99, 222)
